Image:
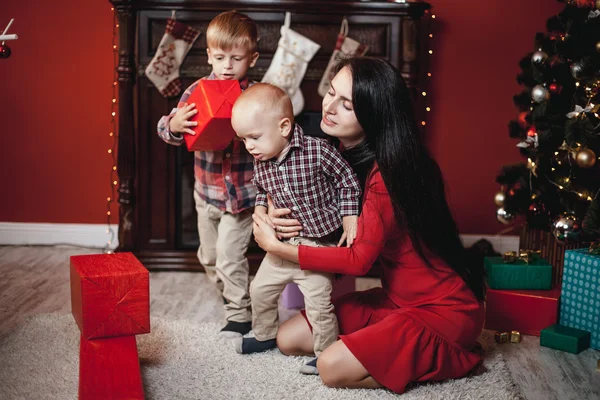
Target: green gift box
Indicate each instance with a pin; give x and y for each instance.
(563, 338)
(537, 275)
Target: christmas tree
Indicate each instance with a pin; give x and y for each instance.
(558, 128)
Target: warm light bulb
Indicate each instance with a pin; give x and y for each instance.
(428, 109)
(113, 113)
(108, 199)
(110, 134)
(423, 123)
(429, 74)
(114, 167)
(577, 84)
(114, 83)
(114, 100)
(430, 51)
(115, 183)
(109, 151)
(108, 213)
(560, 187)
(431, 35)
(433, 16)
(424, 93)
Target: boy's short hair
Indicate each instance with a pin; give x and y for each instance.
(230, 29)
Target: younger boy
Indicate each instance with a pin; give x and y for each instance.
(223, 189)
(308, 176)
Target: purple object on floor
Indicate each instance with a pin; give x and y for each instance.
(292, 296)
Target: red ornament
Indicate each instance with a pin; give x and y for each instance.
(522, 119)
(555, 88)
(4, 50)
(585, 3)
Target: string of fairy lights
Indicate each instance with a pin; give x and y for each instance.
(430, 53)
(108, 248)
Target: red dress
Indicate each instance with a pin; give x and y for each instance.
(422, 324)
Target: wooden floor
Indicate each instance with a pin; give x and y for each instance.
(35, 280)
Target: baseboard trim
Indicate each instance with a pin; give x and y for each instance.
(94, 235)
(500, 243)
(86, 235)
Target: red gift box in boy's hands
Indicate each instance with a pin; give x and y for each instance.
(214, 100)
(110, 295)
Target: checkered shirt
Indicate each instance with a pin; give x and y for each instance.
(314, 181)
(224, 176)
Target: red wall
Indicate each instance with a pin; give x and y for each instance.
(55, 91)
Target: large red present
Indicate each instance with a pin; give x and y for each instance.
(214, 100)
(110, 295)
(526, 311)
(109, 369)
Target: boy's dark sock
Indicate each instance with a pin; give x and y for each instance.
(249, 345)
(235, 329)
(310, 368)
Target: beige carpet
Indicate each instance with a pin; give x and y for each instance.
(186, 360)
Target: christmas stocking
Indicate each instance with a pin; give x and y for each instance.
(288, 67)
(344, 47)
(163, 70)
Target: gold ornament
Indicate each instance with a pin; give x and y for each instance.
(585, 158)
(499, 198)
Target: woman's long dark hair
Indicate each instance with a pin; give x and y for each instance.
(382, 105)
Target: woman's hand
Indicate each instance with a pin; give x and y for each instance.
(264, 235)
(285, 227)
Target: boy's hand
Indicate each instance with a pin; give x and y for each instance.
(179, 123)
(349, 223)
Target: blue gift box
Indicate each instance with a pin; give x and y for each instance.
(580, 299)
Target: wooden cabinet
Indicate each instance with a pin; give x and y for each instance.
(156, 207)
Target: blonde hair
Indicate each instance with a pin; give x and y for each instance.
(269, 99)
(230, 29)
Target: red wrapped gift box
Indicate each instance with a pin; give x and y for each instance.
(214, 100)
(109, 369)
(526, 311)
(110, 295)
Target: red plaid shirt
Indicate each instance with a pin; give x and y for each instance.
(224, 176)
(314, 181)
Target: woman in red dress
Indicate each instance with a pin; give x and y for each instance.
(422, 324)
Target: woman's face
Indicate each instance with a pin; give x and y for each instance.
(339, 119)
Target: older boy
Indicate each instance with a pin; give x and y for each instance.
(223, 190)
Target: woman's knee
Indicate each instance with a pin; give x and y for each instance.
(328, 365)
(294, 337)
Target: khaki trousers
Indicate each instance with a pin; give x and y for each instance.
(272, 276)
(224, 239)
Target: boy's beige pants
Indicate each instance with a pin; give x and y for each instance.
(224, 240)
(272, 277)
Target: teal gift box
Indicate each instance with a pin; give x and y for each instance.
(580, 299)
(536, 275)
(564, 338)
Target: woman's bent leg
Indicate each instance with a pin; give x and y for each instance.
(294, 337)
(339, 368)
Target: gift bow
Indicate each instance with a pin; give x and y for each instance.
(525, 255)
(579, 110)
